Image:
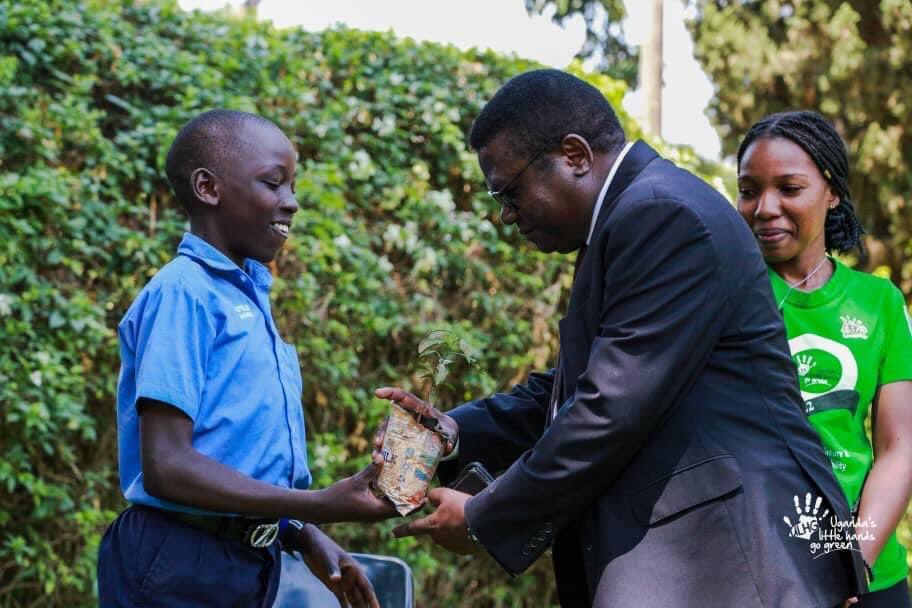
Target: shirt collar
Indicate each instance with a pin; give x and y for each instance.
(835, 287)
(203, 252)
(605, 186)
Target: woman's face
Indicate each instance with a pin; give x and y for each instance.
(784, 198)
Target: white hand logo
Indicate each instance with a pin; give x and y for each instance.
(805, 364)
(808, 520)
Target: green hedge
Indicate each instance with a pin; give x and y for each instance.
(395, 237)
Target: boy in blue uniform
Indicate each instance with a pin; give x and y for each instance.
(210, 426)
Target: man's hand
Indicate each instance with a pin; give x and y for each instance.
(447, 426)
(334, 567)
(352, 498)
(447, 525)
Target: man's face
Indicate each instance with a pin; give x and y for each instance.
(545, 198)
(256, 199)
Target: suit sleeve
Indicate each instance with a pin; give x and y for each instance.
(497, 430)
(663, 310)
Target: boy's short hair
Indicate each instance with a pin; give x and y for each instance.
(206, 141)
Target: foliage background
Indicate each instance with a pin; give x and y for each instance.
(395, 237)
(605, 42)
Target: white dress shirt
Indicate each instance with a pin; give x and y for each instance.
(605, 186)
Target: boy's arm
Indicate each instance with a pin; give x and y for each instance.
(174, 471)
(331, 564)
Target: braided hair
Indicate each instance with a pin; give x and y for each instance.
(817, 137)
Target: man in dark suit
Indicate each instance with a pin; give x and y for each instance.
(663, 454)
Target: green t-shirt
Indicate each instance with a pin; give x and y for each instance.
(848, 337)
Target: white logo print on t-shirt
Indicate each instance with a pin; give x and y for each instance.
(853, 328)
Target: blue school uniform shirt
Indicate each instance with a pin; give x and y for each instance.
(200, 337)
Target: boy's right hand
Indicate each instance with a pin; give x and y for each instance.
(352, 499)
(409, 402)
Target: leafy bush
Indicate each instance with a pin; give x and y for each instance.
(395, 237)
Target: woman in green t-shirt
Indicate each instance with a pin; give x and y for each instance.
(849, 332)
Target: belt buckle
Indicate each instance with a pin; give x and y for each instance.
(261, 536)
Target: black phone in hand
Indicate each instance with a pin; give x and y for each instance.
(472, 479)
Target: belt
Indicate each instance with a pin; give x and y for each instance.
(257, 533)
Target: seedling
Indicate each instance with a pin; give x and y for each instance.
(437, 352)
(414, 443)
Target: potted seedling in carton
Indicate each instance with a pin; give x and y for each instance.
(414, 443)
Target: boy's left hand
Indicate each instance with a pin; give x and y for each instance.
(334, 567)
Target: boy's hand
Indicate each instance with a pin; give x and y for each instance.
(334, 567)
(448, 427)
(352, 498)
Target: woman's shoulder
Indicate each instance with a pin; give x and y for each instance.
(871, 287)
(867, 280)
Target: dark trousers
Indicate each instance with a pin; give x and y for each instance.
(148, 558)
(896, 596)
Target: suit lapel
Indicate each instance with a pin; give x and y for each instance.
(639, 155)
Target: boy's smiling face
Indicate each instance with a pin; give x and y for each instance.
(250, 203)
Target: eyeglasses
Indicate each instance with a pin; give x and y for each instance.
(503, 196)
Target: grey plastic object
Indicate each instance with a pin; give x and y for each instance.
(390, 576)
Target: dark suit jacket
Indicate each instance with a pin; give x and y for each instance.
(681, 442)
